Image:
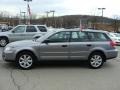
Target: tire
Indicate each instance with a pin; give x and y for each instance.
(3, 41)
(25, 60)
(96, 60)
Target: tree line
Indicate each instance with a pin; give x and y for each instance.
(68, 21)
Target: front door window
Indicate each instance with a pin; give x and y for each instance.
(19, 29)
(60, 37)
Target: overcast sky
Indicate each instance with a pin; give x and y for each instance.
(63, 7)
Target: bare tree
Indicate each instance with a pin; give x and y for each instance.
(116, 23)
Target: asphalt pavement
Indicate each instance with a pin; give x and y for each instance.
(60, 76)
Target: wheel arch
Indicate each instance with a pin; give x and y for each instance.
(6, 41)
(98, 51)
(5, 37)
(30, 51)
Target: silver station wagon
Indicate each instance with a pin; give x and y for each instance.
(91, 45)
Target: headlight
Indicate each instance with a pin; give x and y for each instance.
(8, 49)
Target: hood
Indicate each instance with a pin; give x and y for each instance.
(23, 43)
(115, 37)
(4, 33)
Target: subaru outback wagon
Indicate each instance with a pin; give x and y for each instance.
(91, 45)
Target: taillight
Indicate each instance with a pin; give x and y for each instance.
(112, 43)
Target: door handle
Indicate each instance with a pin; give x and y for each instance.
(89, 45)
(64, 45)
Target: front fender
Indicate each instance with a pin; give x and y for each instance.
(28, 49)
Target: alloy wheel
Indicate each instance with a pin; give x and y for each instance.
(3, 42)
(25, 61)
(96, 60)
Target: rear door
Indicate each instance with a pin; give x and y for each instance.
(30, 32)
(79, 45)
(99, 41)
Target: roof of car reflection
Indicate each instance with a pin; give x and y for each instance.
(77, 29)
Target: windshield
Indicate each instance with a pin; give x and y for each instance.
(111, 35)
(43, 36)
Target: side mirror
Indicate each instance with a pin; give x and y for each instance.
(13, 31)
(46, 41)
(36, 37)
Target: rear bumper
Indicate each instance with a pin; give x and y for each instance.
(112, 54)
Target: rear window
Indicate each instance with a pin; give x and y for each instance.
(98, 36)
(42, 28)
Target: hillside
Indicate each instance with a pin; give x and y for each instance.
(69, 21)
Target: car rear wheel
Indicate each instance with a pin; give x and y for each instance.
(3, 42)
(25, 60)
(96, 60)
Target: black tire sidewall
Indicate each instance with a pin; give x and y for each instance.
(96, 53)
(7, 41)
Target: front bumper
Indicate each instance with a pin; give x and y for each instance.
(9, 57)
(118, 43)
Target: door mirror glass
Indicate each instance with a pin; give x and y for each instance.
(13, 31)
(46, 41)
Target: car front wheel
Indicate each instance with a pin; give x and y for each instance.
(3, 42)
(96, 60)
(25, 60)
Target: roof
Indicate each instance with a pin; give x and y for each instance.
(30, 25)
(77, 29)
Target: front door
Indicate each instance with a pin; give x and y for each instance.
(17, 33)
(57, 48)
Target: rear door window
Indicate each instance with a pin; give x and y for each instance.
(79, 37)
(31, 29)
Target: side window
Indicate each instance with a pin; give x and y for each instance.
(97, 36)
(74, 37)
(19, 29)
(42, 29)
(79, 37)
(60, 37)
(31, 29)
